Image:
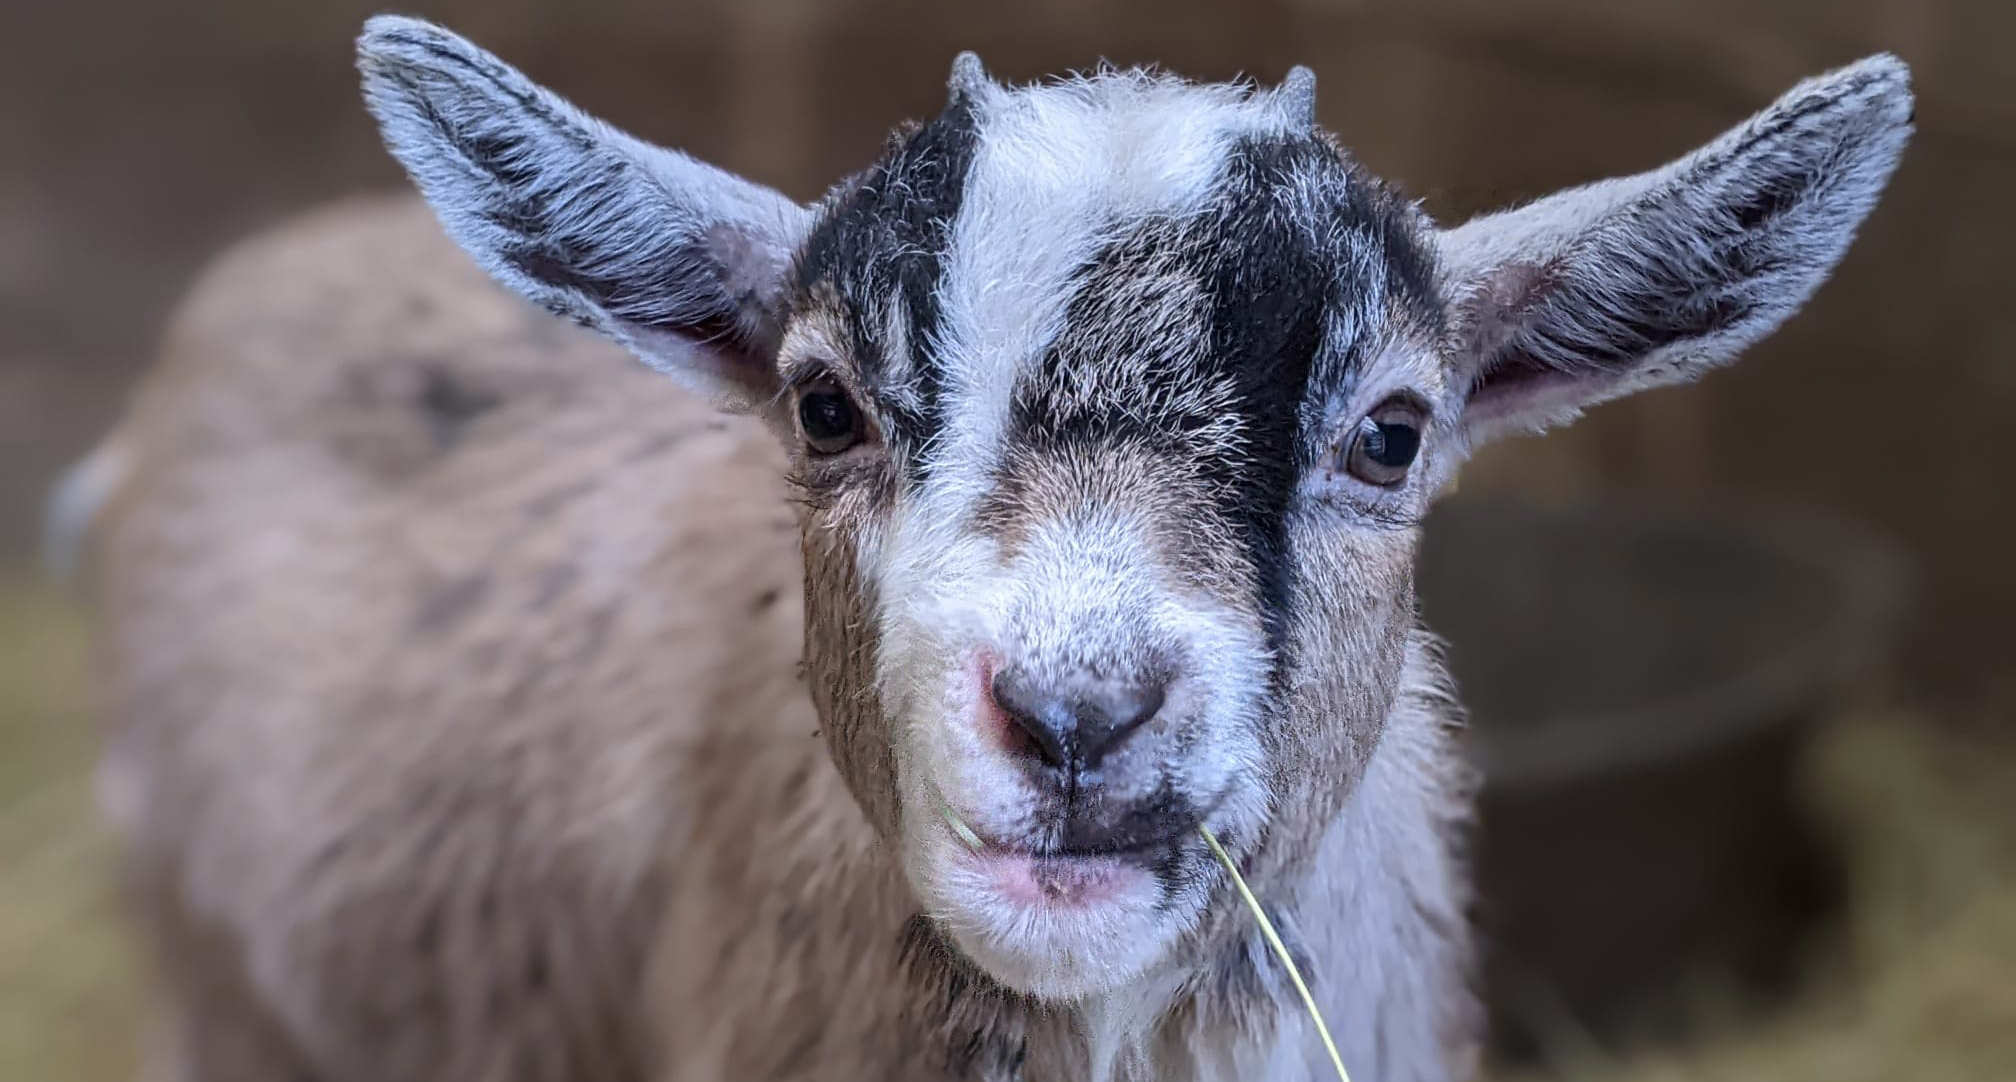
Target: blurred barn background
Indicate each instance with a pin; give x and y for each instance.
(1808, 558)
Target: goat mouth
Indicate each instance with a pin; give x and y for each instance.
(1028, 900)
(1150, 851)
(1055, 881)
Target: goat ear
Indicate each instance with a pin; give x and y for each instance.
(1631, 283)
(683, 263)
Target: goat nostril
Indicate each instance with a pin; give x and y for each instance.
(1042, 718)
(1073, 726)
(1109, 722)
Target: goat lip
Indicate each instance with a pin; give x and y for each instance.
(1143, 853)
(1060, 883)
(1139, 852)
(1083, 879)
(1134, 850)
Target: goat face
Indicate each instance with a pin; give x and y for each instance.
(1114, 405)
(1079, 374)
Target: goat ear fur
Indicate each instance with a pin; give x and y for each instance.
(1625, 284)
(683, 263)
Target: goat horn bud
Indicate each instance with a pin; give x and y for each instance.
(1297, 95)
(969, 79)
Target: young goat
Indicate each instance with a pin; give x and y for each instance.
(464, 717)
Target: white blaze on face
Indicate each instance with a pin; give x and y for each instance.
(1057, 172)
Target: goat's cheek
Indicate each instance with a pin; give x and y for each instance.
(1348, 643)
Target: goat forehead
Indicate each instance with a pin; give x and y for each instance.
(1122, 257)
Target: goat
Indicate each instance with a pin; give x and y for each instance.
(482, 705)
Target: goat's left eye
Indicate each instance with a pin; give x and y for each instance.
(1385, 443)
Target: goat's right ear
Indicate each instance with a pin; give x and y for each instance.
(685, 264)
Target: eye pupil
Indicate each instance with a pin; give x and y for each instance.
(1373, 439)
(1393, 444)
(826, 416)
(828, 419)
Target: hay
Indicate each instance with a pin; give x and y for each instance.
(1922, 985)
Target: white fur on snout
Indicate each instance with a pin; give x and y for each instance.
(1085, 591)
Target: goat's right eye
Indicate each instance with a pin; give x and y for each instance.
(827, 417)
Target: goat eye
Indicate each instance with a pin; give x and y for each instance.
(1385, 443)
(827, 417)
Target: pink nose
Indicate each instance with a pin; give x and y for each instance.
(1072, 723)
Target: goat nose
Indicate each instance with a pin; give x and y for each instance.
(1072, 724)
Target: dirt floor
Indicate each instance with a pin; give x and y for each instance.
(1917, 987)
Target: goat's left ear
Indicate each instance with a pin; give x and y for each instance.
(1610, 288)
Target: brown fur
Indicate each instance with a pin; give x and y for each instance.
(440, 774)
